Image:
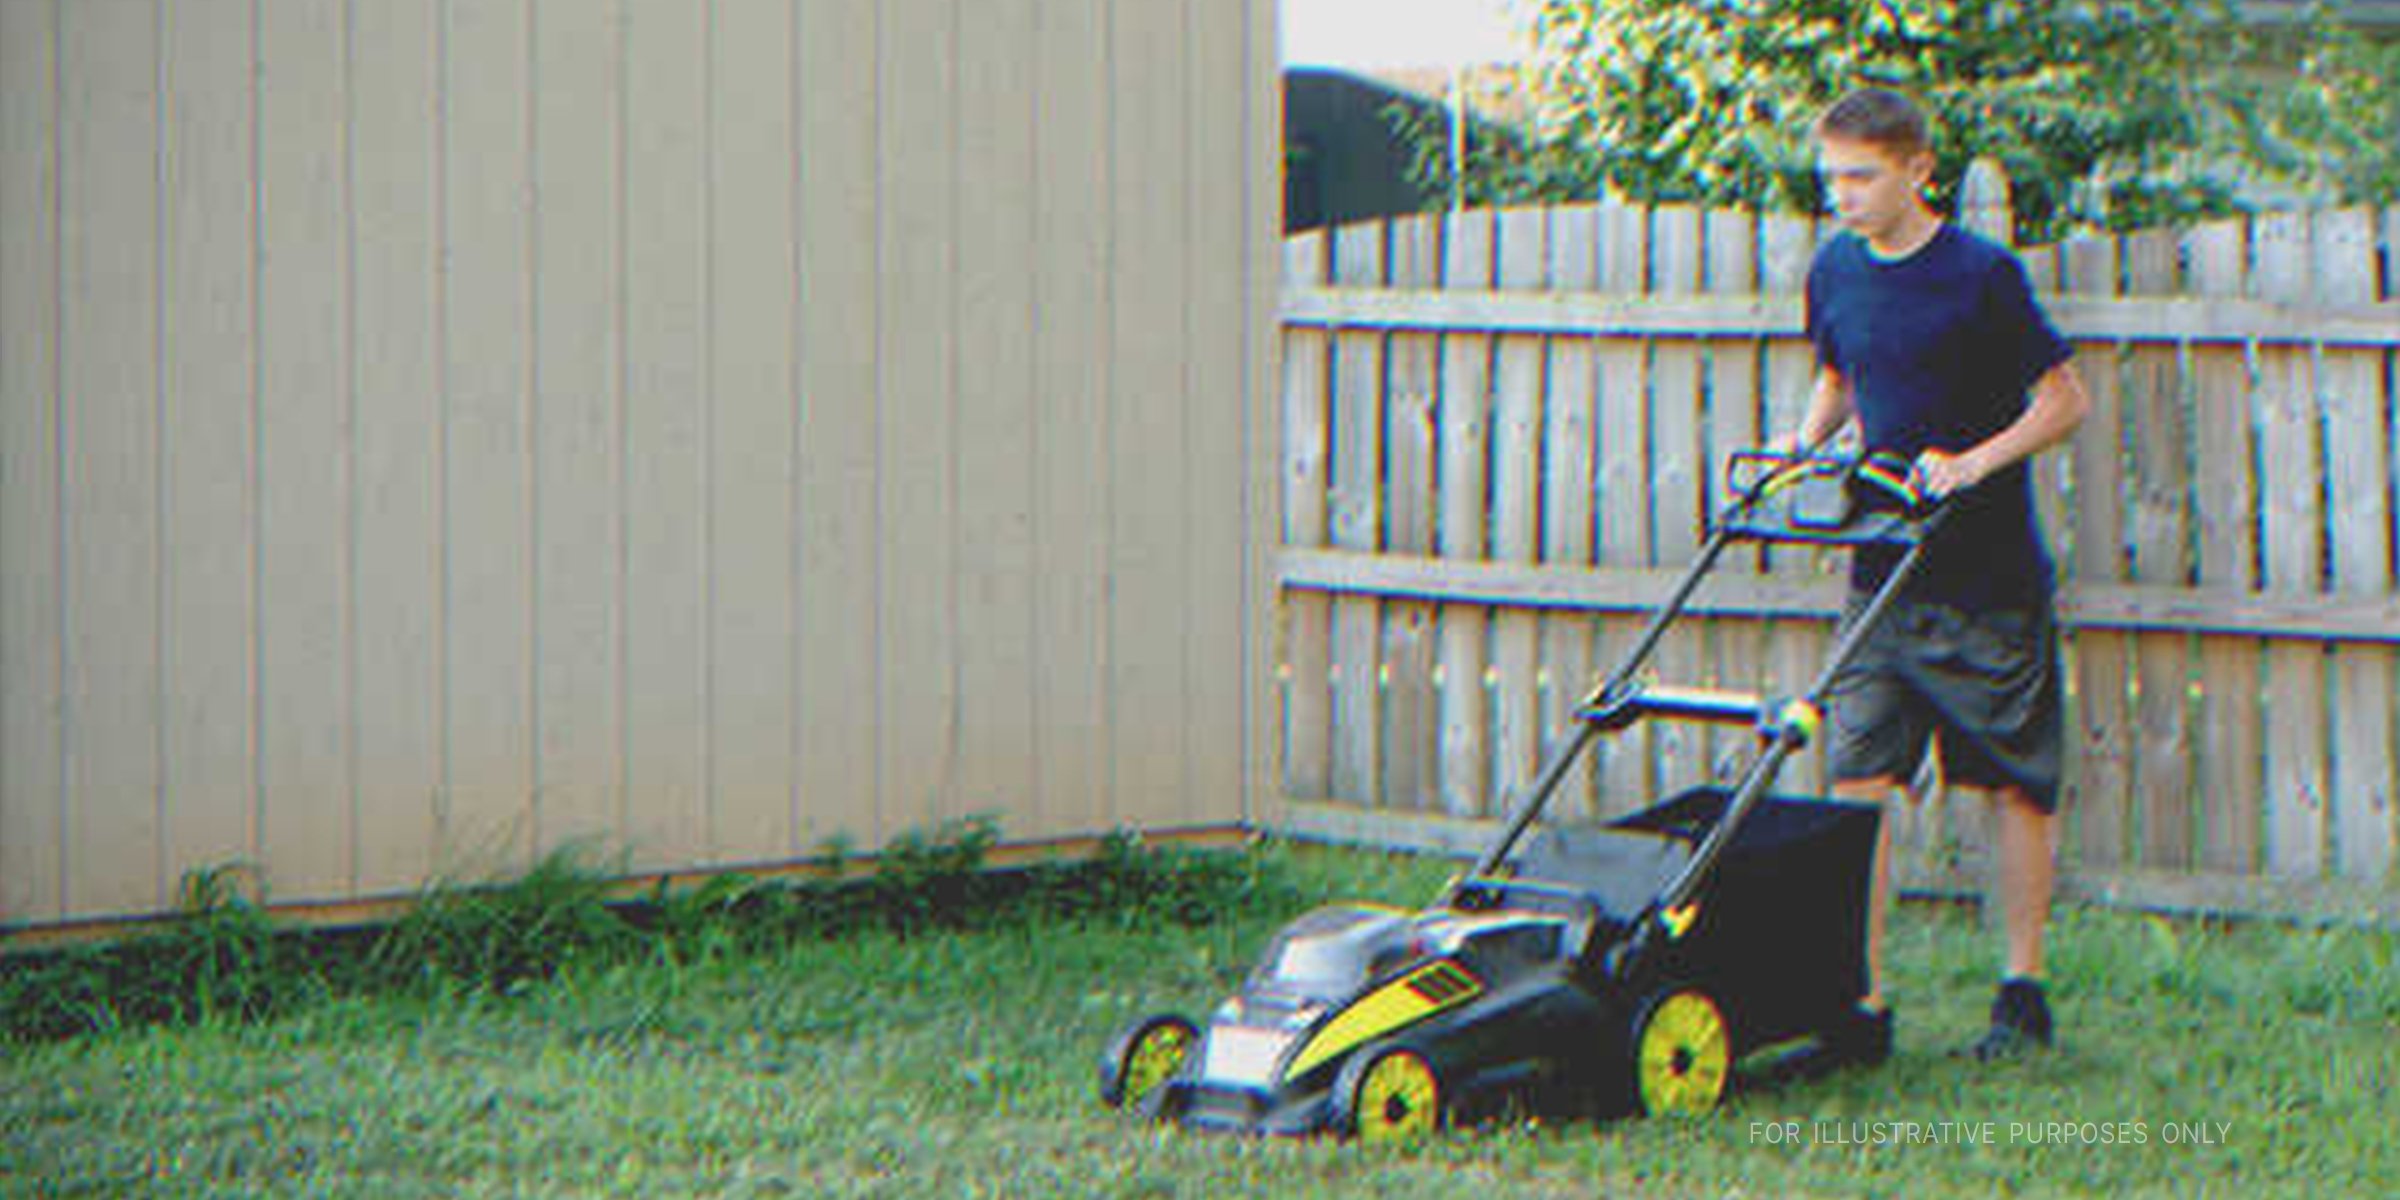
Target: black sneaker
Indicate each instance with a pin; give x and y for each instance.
(2020, 1022)
(1861, 1037)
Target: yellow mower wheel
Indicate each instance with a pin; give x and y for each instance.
(1391, 1096)
(1143, 1058)
(1682, 1055)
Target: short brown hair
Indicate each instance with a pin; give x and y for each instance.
(1881, 118)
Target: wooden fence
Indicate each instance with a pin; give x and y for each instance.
(1502, 433)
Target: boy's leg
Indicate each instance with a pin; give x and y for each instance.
(2027, 852)
(1883, 792)
(2028, 872)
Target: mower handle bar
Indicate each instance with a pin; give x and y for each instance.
(1615, 693)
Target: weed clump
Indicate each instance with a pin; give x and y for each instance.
(501, 938)
(216, 956)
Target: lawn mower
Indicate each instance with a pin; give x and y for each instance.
(1631, 963)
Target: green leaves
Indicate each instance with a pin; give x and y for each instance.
(2115, 113)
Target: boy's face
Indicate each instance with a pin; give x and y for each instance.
(1872, 190)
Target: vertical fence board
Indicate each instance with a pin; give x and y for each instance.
(1149, 612)
(2291, 535)
(1462, 468)
(307, 831)
(1678, 409)
(918, 330)
(1308, 619)
(2099, 772)
(2226, 506)
(578, 228)
(1516, 513)
(33, 859)
(1624, 758)
(1678, 421)
(2159, 497)
(998, 676)
(666, 770)
(750, 467)
(839, 688)
(487, 739)
(207, 435)
(1567, 451)
(2042, 267)
(2391, 416)
(392, 157)
(1357, 470)
(1409, 740)
(1072, 374)
(2359, 526)
(917, 719)
(108, 436)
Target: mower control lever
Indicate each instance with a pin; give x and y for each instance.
(1612, 713)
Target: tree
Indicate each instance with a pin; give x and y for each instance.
(2112, 113)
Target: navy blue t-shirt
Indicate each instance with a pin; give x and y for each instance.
(1939, 349)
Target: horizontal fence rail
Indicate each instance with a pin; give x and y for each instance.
(2132, 319)
(1502, 432)
(2123, 608)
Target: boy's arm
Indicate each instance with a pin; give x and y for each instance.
(1829, 408)
(2059, 405)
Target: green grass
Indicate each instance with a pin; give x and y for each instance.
(945, 1061)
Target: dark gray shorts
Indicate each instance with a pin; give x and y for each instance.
(1984, 685)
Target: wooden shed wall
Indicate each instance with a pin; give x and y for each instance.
(435, 433)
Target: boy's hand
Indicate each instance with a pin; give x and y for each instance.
(1938, 474)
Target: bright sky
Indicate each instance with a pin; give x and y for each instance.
(1398, 33)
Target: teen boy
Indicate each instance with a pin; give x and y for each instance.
(1928, 336)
